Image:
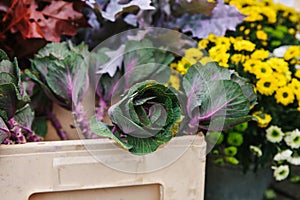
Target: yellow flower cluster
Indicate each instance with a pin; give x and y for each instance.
(263, 10)
(273, 76)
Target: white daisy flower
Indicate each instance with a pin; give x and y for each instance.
(256, 150)
(280, 173)
(274, 134)
(294, 160)
(292, 139)
(283, 155)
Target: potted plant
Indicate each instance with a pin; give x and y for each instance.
(265, 51)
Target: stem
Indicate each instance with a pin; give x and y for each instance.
(33, 137)
(16, 130)
(82, 122)
(57, 126)
(100, 109)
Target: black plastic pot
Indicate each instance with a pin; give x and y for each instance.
(230, 183)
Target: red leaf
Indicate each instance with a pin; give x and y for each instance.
(53, 20)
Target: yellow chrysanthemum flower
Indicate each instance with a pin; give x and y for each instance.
(297, 73)
(262, 70)
(183, 65)
(250, 64)
(252, 14)
(202, 44)
(242, 28)
(223, 41)
(212, 37)
(284, 95)
(174, 80)
(244, 45)
(205, 60)
(294, 18)
(292, 52)
(270, 13)
(263, 119)
(280, 78)
(267, 85)
(193, 55)
(260, 54)
(236, 58)
(295, 86)
(292, 31)
(261, 35)
(278, 64)
(222, 59)
(247, 31)
(216, 50)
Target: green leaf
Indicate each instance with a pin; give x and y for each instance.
(8, 100)
(224, 123)
(7, 66)
(4, 131)
(141, 146)
(46, 89)
(101, 129)
(25, 116)
(152, 121)
(139, 102)
(224, 99)
(6, 78)
(39, 126)
(56, 50)
(3, 55)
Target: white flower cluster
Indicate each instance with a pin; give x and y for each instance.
(274, 134)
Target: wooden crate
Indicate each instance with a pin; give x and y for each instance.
(99, 169)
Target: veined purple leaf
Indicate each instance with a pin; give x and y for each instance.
(197, 81)
(70, 81)
(214, 98)
(224, 17)
(223, 99)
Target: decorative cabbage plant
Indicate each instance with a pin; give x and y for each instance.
(144, 118)
(15, 114)
(149, 114)
(61, 70)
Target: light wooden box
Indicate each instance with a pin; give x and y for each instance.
(99, 169)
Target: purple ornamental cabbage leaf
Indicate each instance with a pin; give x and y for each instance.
(224, 17)
(214, 100)
(64, 79)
